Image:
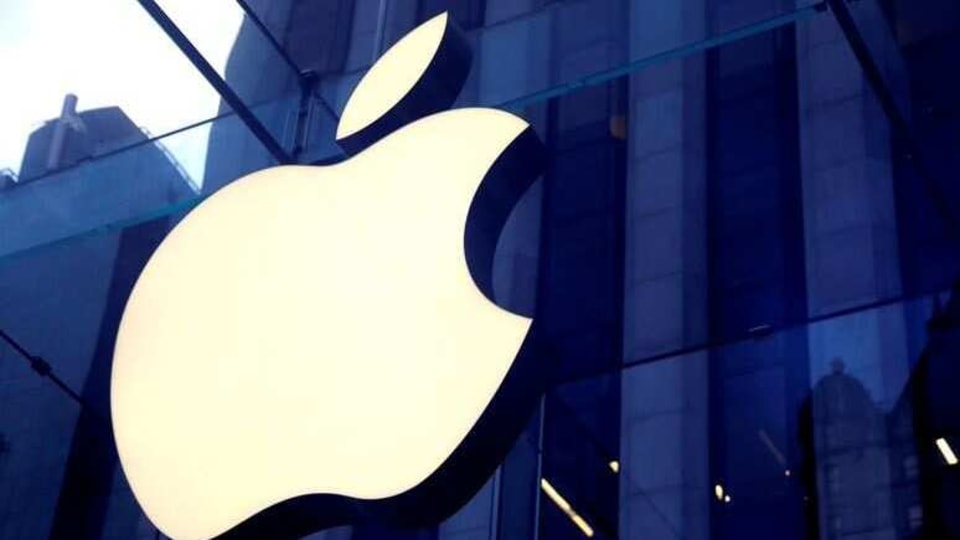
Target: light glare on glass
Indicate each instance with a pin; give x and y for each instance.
(565, 507)
(948, 455)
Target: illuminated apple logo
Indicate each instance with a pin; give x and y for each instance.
(314, 346)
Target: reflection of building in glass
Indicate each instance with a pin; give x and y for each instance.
(74, 178)
(56, 198)
(927, 493)
(880, 474)
(852, 460)
(905, 470)
(7, 179)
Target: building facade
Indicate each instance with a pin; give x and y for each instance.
(745, 245)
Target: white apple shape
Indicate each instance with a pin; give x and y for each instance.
(312, 330)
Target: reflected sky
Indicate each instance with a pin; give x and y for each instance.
(108, 52)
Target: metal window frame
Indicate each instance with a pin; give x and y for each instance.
(216, 81)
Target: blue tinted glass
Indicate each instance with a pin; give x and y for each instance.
(743, 250)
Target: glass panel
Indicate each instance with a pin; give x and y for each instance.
(904, 46)
(744, 273)
(242, 53)
(63, 303)
(152, 178)
(109, 53)
(529, 51)
(830, 430)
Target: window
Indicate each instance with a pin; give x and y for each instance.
(915, 517)
(911, 467)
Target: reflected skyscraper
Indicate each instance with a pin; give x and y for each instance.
(73, 451)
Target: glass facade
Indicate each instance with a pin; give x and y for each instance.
(745, 246)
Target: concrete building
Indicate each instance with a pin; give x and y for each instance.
(63, 288)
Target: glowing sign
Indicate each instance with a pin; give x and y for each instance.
(318, 345)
